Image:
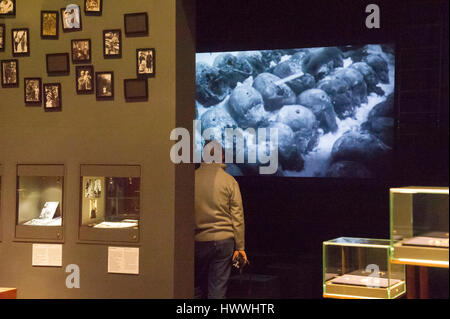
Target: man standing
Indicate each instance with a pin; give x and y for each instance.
(219, 219)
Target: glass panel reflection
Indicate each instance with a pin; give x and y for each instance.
(40, 200)
(110, 202)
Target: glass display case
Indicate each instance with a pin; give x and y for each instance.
(419, 226)
(359, 268)
(40, 201)
(110, 202)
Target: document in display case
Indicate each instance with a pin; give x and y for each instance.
(419, 226)
(360, 268)
(40, 202)
(110, 203)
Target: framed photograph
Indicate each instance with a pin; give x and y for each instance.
(20, 42)
(10, 73)
(84, 79)
(112, 44)
(71, 18)
(145, 63)
(136, 24)
(2, 37)
(93, 7)
(49, 25)
(52, 97)
(33, 91)
(7, 8)
(136, 90)
(104, 85)
(81, 51)
(58, 64)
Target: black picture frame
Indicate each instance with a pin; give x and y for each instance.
(135, 90)
(74, 24)
(7, 73)
(145, 67)
(48, 107)
(77, 55)
(2, 37)
(46, 23)
(11, 13)
(136, 24)
(58, 64)
(86, 85)
(30, 91)
(104, 85)
(20, 42)
(90, 11)
(110, 50)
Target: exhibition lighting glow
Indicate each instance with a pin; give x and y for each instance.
(420, 190)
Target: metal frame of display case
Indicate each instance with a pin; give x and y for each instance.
(90, 234)
(345, 291)
(40, 233)
(407, 255)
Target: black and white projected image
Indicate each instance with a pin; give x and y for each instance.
(333, 107)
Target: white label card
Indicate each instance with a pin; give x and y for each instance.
(49, 255)
(123, 260)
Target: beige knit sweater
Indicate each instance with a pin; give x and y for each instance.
(218, 206)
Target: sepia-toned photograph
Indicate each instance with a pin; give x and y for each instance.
(7, 8)
(71, 18)
(93, 7)
(136, 24)
(104, 85)
(112, 43)
(52, 96)
(145, 62)
(10, 73)
(84, 79)
(2, 37)
(49, 24)
(20, 42)
(81, 51)
(32, 91)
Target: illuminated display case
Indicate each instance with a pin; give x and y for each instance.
(110, 203)
(359, 268)
(40, 191)
(419, 226)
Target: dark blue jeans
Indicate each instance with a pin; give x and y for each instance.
(213, 268)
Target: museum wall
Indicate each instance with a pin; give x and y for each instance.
(287, 219)
(116, 132)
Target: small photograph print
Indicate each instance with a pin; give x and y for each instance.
(7, 8)
(81, 51)
(49, 24)
(33, 91)
(112, 43)
(52, 97)
(71, 18)
(104, 85)
(20, 42)
(145, 62)
(58, 64)
(2, 37)
(84, 79)
(135, 90)
(93, 7)
(10, 73)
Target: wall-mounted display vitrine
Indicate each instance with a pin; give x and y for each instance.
(110, 203)
(359, 268)
(419, 225)
(40, 194)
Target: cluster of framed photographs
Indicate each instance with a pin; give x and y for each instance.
(87, 81)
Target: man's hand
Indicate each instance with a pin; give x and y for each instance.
(242, 253)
